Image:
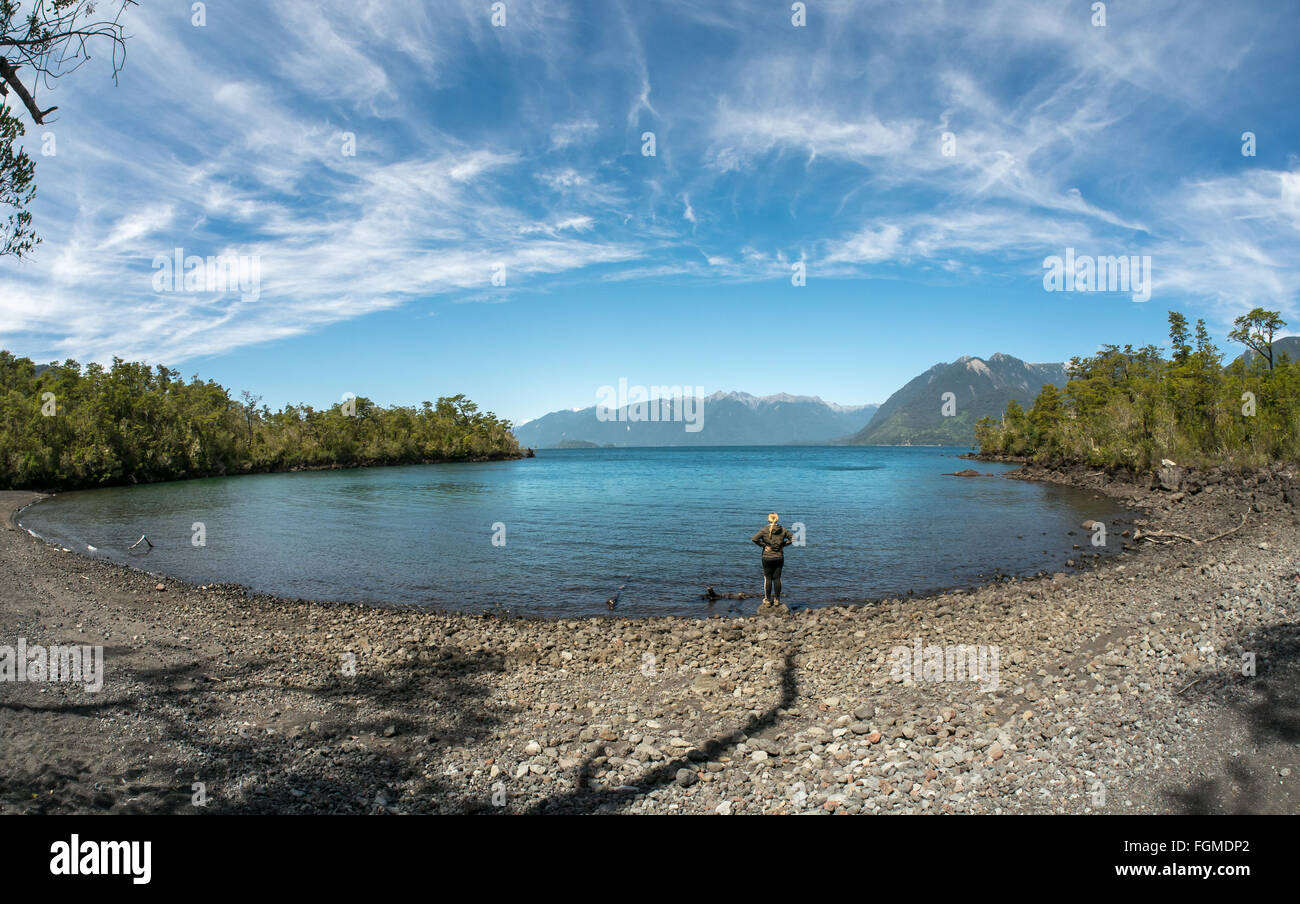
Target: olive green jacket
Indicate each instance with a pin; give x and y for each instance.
(775, 542)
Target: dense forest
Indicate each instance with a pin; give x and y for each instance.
(1126, 407)
(67, 426)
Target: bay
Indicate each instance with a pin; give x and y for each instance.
(559, 534)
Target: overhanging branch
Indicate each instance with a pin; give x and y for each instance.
(11, 80)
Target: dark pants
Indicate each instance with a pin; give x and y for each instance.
(772, 578)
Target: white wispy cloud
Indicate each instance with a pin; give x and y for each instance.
(480, 147)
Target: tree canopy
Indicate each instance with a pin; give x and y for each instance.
(40, 41)
(1127, 407)
(70, 426)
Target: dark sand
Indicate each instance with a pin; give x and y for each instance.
(1119, 690)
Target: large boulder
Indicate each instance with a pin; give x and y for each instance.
(1171, 477)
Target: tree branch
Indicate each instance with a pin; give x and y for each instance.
(10, 76)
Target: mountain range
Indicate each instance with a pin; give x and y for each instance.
(923, 412)
(920, 413)
(722, 419)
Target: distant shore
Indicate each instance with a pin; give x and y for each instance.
(137, 480)
(1105, 678)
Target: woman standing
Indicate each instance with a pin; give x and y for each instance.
(774, 539)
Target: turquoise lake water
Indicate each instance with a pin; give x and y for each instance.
(577, 524)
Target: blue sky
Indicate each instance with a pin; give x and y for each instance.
(520, 146)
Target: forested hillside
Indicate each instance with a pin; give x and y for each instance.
(974, 387)
(73, 426)
(1126, 407)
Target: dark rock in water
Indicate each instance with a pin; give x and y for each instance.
(613, 600)
(968, 472)
(711, 594)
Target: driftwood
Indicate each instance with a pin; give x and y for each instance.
(1171, 535)
(1225, 678)
(143, 539)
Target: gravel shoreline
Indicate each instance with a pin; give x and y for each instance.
(1118, 689)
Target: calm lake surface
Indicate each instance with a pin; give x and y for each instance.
(580, 523)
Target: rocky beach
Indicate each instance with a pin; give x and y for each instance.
(1125, 687)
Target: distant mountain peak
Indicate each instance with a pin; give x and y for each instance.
(915, 415)
(1288, 344)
